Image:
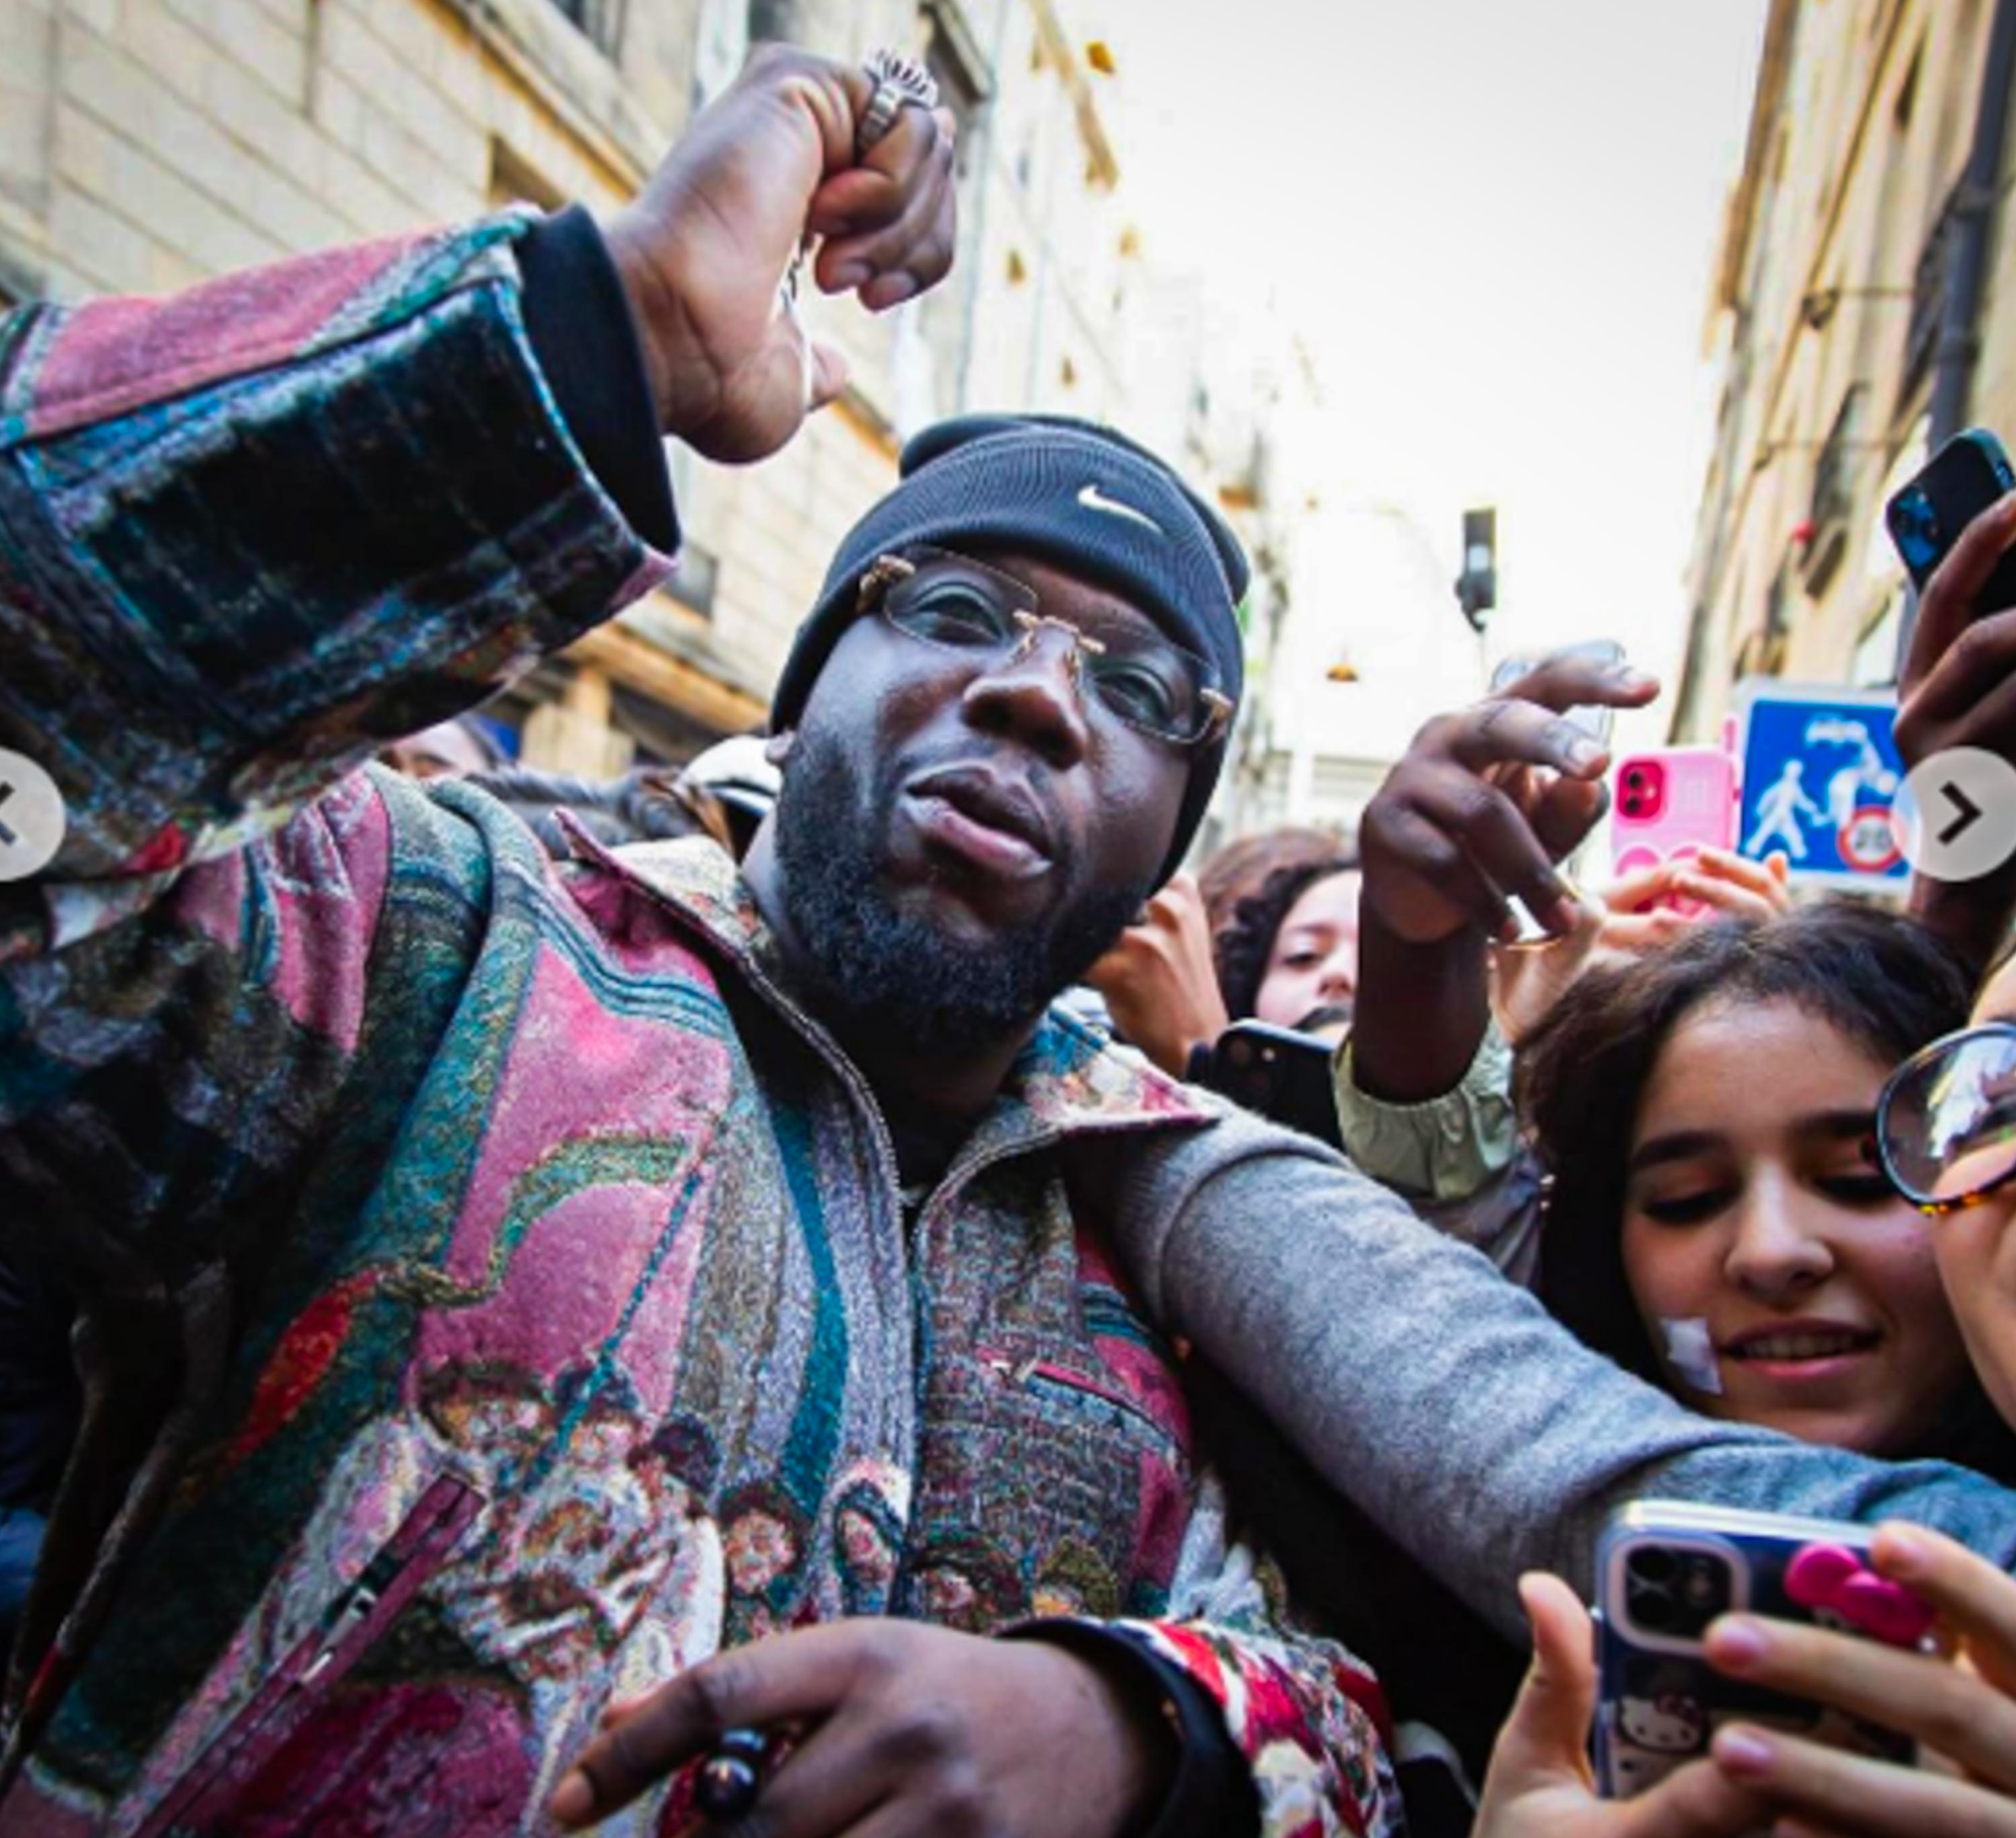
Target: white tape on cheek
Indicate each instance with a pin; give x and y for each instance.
(1691, 1353)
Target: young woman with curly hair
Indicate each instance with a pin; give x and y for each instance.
(1289, 954)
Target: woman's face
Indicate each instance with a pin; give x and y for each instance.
(1976, 1249)
(1313, 966)
(1780, 1279)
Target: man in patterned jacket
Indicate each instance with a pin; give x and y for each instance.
(504, 1286)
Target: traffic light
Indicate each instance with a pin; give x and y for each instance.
(1477, 586)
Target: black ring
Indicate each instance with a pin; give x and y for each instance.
(732, 1777)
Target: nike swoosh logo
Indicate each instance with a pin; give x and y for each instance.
(1093, 498)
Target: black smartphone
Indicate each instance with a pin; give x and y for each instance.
(1926, 517)
(1280, 1074)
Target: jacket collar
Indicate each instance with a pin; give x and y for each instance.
(1069, 1079)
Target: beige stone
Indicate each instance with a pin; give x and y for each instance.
(191, 136)
(1862, 125)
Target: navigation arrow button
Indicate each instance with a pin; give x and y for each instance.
(1970, 814)
(1955, 816)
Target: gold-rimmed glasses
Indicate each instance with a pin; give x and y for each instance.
(1132, 672)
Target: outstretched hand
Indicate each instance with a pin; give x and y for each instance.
(1540, 1784)
(1477, 811)
(1630, 917)
(704, 247)
(1487, 800)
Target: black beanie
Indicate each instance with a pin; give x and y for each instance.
(1072, 493)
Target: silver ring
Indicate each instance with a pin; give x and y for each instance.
(900, 82)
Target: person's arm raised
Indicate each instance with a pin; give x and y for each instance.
(248, 533)
(1462, 822)
(1959, 690)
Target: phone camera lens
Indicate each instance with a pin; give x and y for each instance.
(1649, 1564)
(1634, 778)
(1705, 1589)
(1676, 1592)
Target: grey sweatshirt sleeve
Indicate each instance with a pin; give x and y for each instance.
(1444, 1401)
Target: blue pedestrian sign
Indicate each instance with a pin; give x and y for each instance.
(1820, 771)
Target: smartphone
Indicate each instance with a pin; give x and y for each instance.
(1594, 718)
(1670, 803)
(1665, 1569)
(1280, 1075)
(1926, 517)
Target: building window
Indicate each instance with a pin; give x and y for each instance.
(964, 80)
(696, 578)
(721, 47)
(1928, 294)
(1833, 490)
(517, 181)
(599, 21)
(1876, 651)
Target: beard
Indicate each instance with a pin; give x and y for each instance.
(868, 965)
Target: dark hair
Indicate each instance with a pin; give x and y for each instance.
(1238, 869)
(1879, 979)
(1242, 949)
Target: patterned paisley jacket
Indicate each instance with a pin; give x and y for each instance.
(498, 1291)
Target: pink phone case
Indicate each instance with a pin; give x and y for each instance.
(1683, 801)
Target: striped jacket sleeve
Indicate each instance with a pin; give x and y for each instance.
(247, 534)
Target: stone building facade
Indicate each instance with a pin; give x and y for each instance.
(1831, 297)
(147, 144)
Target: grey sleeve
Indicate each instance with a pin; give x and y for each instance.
(1444, 1401)
(1501, 1219)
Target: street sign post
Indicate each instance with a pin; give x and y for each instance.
(1820, 773)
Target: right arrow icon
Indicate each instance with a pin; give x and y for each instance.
(1955, 814)
(1970, 813)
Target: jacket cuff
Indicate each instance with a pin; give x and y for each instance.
(578, 317)
(1445, 1148)
(1211, 1794)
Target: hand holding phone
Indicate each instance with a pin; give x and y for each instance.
(1950, 694)
(1667, 1571)
(1488, 799)
(1927, 516)
(1671, 804)
(1756, 1774)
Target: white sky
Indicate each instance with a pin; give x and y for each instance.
(1495, 221)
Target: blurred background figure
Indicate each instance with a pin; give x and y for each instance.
(724, 793)
(652, 804)
(737, 774)
(1170, 987)
(1289, 956)
(457, 749)
(1241, 867)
